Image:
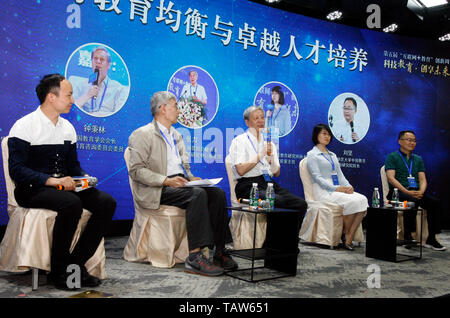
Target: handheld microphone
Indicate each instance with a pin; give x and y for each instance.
(269, 141)
(181, 96)
(81, 183)
(402, 204)
(96, 73)
(269, 109)
(244, 201)
(353, 130)
(261, 204)
(95, 82)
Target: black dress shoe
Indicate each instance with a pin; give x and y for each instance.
(88, 280)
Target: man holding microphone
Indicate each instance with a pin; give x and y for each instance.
(256, 161)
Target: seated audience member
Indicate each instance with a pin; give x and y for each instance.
(256, 161)
(160, 169)
(406, 172)
(329, 184)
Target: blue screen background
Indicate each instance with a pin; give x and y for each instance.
(37, 40)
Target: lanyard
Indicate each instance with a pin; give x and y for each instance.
(94, 101)
(195, 93)
(278, 112)
(410, 166)
(254, 148)
(176, 151)
(170, 145)
(330, 160)
(272, 118)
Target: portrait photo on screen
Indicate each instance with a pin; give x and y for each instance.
(280, 105)
(100, 79)
(349, 118)
(197, 94)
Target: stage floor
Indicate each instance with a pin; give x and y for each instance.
(321, 273)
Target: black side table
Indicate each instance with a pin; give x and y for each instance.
(279, 253)
(381, 235)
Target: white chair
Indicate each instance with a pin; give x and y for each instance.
(242, 223)
(400, 230)
(157, 236)
(27, 242)
(323, 222)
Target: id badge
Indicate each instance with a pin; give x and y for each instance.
(412, 183)
(334, 177)
(266, 175)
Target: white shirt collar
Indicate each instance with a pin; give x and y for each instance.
(106, 80)
(47, 120)
(164, 129)
(317, 151)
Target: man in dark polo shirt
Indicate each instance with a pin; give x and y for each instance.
(406, 172)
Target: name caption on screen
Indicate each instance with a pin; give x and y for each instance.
(237, 307)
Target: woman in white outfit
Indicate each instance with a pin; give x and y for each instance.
(329, 184)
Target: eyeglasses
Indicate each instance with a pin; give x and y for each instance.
(409, 140)
(349, 108)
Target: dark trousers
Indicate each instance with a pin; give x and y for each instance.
(69, 206)
(206, 214)
(429, 203)
(283, 199)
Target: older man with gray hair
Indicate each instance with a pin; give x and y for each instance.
(256, 161)
(103, 95)
(159, 168)
(194, 90)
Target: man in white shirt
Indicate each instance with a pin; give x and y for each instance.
(256, 161)
(345, 129)
(102, 96)
(159, 170)
(194, 90)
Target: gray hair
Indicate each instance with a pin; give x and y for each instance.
(158, 99)
(250, 110)
(101, 48)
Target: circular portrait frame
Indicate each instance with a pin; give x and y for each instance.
(349, 122)
(285, 117)
(198, 102)
(112, 94)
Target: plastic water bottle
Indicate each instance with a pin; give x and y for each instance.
(395, 196)
(375, 198)
(254, 196)
(270, 195)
